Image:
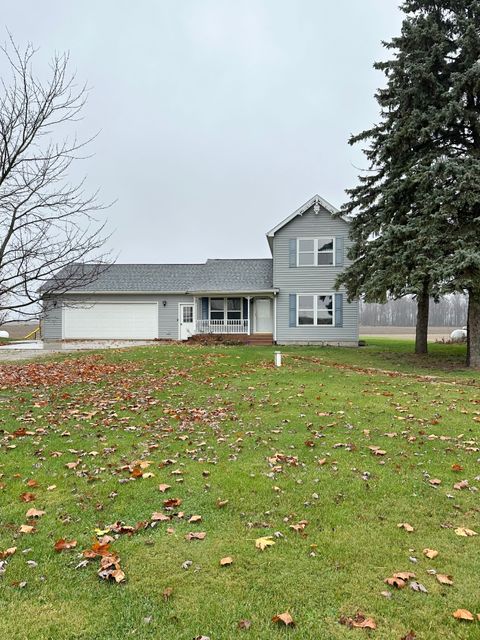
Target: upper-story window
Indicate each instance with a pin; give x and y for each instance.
(315, 252)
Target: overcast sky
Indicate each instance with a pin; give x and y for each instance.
(217, 118)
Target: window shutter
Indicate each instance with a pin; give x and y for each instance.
(293, 252)
(204, 308)
(339, 251)
(293, 310)
(245, 309)
(339, 309)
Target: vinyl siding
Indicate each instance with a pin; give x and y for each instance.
(51, 320)
(167, 316)
(294, 280)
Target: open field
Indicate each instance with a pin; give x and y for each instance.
(324, 457)
(406, 333)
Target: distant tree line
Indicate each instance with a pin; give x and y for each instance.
(450, 311)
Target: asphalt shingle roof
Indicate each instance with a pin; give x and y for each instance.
(240, 275)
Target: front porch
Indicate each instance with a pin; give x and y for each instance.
(234, 316)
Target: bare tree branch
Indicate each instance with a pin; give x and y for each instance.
(51, 237)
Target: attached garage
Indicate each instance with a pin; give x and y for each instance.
(110, 321)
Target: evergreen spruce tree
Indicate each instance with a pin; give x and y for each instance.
(455, 179)
(399, 244)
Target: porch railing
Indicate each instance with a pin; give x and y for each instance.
(222, 326)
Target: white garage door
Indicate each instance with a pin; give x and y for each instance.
(109, 320)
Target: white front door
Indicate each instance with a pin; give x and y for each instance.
(263, 316)
(186, 318)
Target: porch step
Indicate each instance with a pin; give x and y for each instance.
(260, 339)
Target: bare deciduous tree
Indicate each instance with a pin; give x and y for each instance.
(48, 226)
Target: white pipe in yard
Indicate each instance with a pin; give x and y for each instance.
(277, 358)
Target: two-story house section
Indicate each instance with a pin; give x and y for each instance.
(286, 299)
(309, 251)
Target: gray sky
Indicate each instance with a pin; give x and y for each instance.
(218, 118)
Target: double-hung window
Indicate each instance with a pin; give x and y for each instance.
(225, 309)
(315, 252)
(217, 309)
(315, 310)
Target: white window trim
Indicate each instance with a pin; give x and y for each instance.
(315, 252)
(315, 307)
(225, 310)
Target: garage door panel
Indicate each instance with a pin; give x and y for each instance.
(108, 320)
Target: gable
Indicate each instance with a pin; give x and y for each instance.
(315, 210)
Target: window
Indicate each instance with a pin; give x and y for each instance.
(234, 309)
(315, 310)
(306, 252)
(187, 314)
(315, 252)
(306, 308)
(225, 309)
(217, 308)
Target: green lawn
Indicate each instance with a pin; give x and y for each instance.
(210, 420)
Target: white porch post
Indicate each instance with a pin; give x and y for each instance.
(275, 317)
(248, 316)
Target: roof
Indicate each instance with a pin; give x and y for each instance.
(315, 201)
(222, 276)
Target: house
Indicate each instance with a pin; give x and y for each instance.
(287, 299)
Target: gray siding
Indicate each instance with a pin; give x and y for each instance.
(51, 320)
(294, 280)
(167, 316)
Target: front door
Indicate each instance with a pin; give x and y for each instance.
(187, 320)
(263, 316)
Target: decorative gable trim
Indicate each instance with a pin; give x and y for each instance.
(317, 202)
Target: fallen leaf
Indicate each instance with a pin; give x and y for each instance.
(158, 516)
(466, 533)
(244, 624)
(404, 575)
(435, 482)
(63, 545)
(395, 582)
(411, 635)
(359, 621)
(224, 562)
(195, 519)
(172, 502)
(7, 553)
(456, 467)
(27, 497)
(418, 586)
(263, 543)
(118, 575)
(406, 526)
(167, 592)
(444, 579)
(463, 614)
(26, 528)
(195, 535)
(164, 487)
(285, 618)
(34, 513)
(430, 553)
